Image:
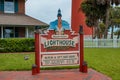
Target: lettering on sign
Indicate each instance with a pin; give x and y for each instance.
(59, 36)
(59, 59)
(56, 44)
(59, 42)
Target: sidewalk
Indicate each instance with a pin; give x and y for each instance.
(73, 74)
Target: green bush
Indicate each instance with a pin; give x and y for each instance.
(16, 45)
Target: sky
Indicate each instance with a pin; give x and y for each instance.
(46, 10)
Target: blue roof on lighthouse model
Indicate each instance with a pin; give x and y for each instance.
(54, 23)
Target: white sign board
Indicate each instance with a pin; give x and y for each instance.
(59, 59)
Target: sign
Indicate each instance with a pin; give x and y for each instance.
(59, 42)
(59, 59)
(59, 50)
(59, 46)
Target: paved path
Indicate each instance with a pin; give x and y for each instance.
(73, 74)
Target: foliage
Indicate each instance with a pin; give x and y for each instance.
(117, 33)
(16, 45)
(102, 27)
(115, 16)
(114, 19)
(96, 10)
(93, 12)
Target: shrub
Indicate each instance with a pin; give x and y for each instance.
(16, 45)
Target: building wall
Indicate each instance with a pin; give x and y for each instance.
(21, 6)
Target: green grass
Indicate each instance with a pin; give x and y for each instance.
(15, 61)
(104, 60)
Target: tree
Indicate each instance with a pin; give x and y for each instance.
(102, 29)
(118, 33)
(96, 10)
(94, 14)
(114, 19)
(108, 3)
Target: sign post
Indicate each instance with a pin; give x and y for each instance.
(83, 64)
(36, 66)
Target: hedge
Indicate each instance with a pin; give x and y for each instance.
(16, 45)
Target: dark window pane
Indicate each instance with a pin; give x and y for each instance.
(9, 0)
(16, 31)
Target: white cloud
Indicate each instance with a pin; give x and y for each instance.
(46, 10)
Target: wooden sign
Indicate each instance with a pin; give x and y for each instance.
(59, 59)
(59, 50)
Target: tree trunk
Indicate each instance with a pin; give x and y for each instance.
(112, 32)
(99, 32)
(106, 22)
(96, 30)
(118, 36)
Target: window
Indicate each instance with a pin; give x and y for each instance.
(31, 32)
(9, 6)
(8, 32)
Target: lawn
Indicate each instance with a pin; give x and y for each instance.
(104, 60)
(15, 61)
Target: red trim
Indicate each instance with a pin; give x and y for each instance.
(59, 54)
